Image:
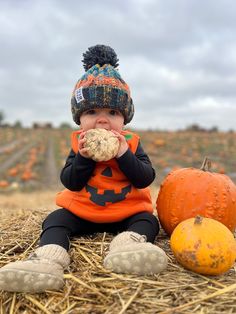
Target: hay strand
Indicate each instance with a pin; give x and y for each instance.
(13, 304)
(213, 295)
(131, 299)
(96, 291)
(37, 304)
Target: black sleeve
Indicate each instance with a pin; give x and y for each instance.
(137, 167)
(76, 171)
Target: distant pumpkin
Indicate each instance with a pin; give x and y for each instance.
(4, 183)
(13, 172)
(204, 246)
(27, 175)
(188, 192)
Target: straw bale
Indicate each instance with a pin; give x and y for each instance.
(89, 288)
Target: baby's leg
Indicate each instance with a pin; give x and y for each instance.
(44, 268)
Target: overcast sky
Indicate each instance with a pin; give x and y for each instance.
(177, 56)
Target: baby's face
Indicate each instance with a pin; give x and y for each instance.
(108, 119)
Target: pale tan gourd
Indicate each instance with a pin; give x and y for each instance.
(101, 144)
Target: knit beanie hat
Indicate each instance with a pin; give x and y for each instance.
(101, 86)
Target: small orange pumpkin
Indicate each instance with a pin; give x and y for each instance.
(188, 192)
(27, 175)
(13, 172)
(204, 246)
(4, 183)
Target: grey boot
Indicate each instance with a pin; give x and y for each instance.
(130, 253)
(43, 270)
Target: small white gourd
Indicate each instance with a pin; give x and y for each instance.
(101, 144)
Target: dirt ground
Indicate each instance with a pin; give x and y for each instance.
(28, 200)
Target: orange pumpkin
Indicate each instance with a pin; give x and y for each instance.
(27, 175)
(4, 183)
(188, 192)
(204, 246)
(13, 172)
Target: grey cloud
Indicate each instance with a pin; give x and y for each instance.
(173, 54)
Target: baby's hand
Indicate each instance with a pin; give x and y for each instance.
(81, 148)
(123, 144)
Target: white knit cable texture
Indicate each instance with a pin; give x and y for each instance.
(54, 253)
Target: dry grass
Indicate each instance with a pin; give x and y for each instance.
(89, 288)
(31, 200)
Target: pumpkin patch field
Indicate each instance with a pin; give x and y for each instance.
(30, 165)
(32, 158)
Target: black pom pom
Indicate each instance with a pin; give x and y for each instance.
(99, 54)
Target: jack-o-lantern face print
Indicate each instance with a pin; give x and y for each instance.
(108, 196)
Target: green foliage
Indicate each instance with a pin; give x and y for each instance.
(2, 117)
